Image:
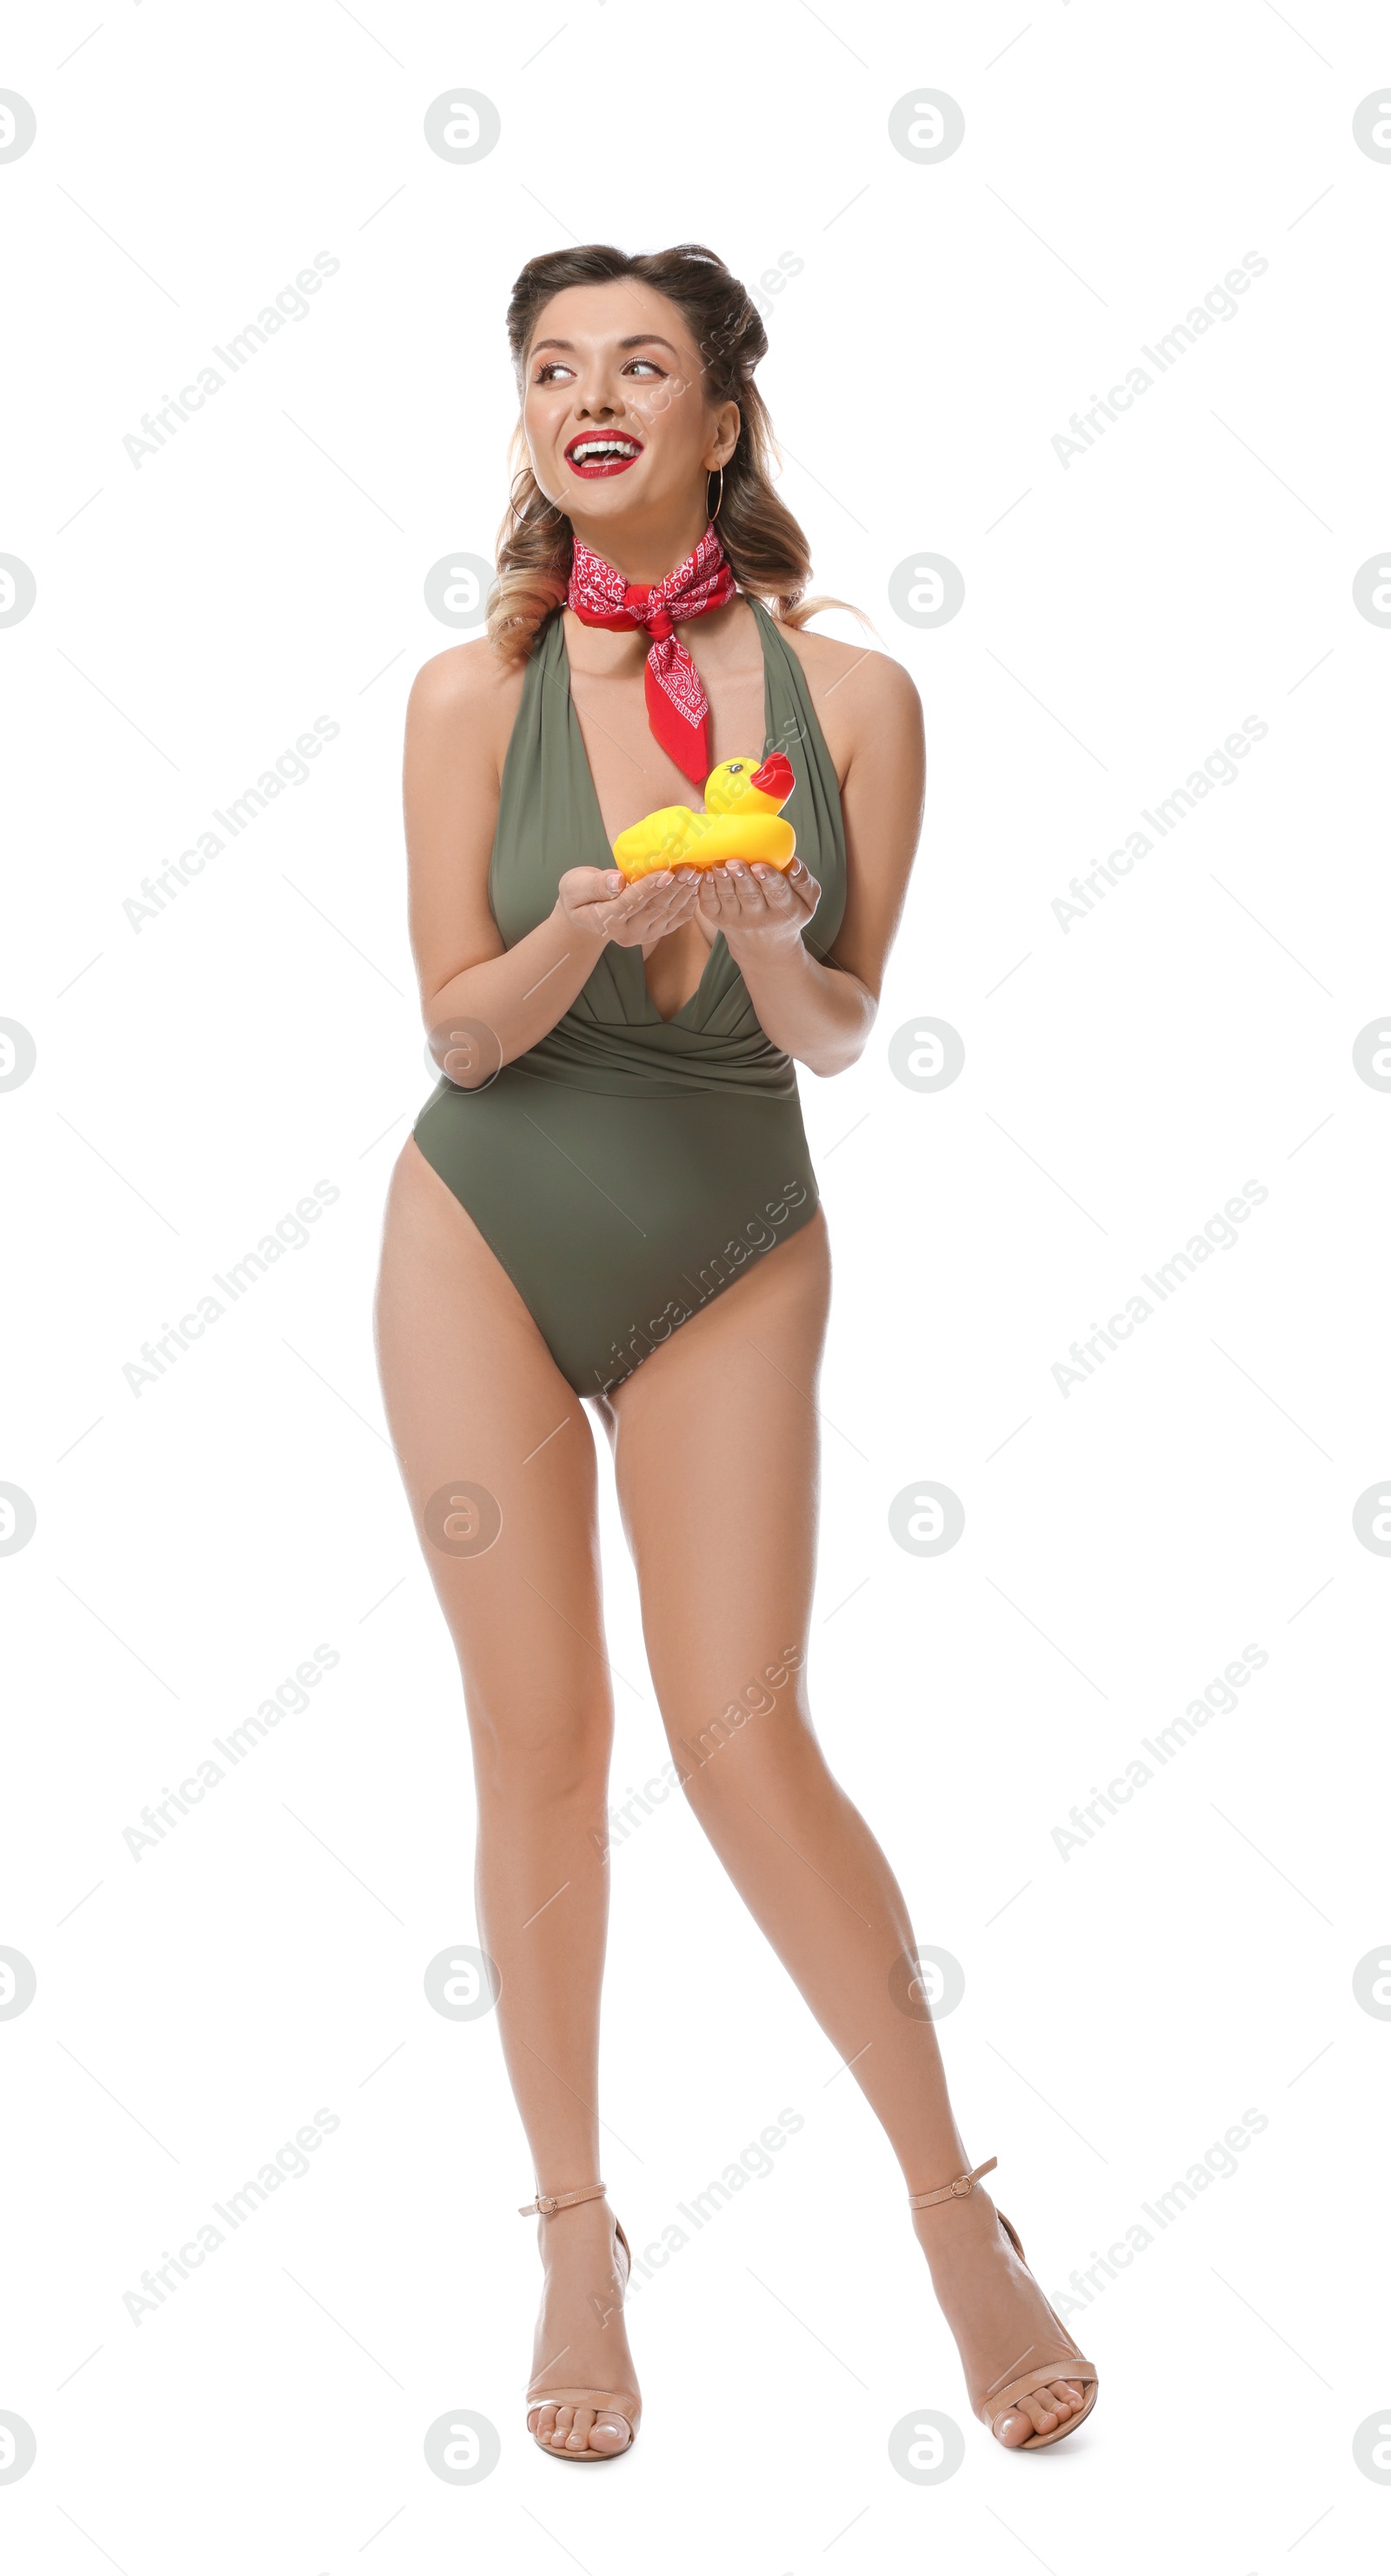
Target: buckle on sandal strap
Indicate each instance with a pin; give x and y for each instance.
(548, 2202)
(960, 2188)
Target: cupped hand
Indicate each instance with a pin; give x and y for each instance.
(600, 902)
(771, 905)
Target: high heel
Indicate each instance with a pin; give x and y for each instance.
(1003, 2397)
(604, 2401)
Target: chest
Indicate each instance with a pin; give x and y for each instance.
(632, 774)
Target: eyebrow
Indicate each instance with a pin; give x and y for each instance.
(635, 340)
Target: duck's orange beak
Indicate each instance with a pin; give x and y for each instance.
(775, 778)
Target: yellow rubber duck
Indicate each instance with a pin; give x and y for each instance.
(741, 821)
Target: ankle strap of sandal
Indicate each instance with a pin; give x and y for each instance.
(961, 2189)
(547, 2203)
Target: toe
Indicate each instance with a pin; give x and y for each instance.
(541, 2422)
(1064, 2397)
(1043, 2410)
(1039, 2408)
(564, 2417)
(611, 2433)
(577, 2438)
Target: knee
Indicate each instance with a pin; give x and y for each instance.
(745, 1753)
(707, 1712)
(549, 1756)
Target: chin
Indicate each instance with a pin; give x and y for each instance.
(607, 491)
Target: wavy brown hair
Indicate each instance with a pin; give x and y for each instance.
(767, 550)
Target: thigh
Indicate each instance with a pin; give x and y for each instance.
(497, 1455)
(716, 1455)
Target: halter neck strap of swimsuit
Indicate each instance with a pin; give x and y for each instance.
(677, 708)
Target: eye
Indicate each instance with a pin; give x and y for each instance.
(734, 768)
(650, 364)
(553, 368)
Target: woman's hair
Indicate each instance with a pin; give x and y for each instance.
(767, 550)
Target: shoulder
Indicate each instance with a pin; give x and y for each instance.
(828, 662)
(465, 680)
(465, 697)
(854, 687)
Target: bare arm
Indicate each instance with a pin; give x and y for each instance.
(822, 1013)
(458, 720)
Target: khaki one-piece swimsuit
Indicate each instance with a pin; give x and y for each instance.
(628, 1168)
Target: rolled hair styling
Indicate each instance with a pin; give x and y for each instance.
(767, 550)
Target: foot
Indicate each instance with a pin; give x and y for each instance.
(581, 2340)
(1001, 2321)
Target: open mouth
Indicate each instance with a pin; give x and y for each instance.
(592, 456)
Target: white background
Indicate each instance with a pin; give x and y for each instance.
(1123, 1542)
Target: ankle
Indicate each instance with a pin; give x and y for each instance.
(957, 2230)
(580, 2234)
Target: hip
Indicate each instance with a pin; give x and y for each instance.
(617, 1217)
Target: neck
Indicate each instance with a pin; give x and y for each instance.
(643, 550)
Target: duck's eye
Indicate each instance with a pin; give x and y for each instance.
(734, 768)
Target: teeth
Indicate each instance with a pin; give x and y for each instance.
(602, 447)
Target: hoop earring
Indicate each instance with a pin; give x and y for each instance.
(512, 499)
(712, 515)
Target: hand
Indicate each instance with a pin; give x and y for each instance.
(601, 903)
(771, 906)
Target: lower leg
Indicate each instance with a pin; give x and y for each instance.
(542, 1917)
(542, 1906)
(813, 1876)
(818, 1883)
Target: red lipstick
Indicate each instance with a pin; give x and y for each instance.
(597, 452)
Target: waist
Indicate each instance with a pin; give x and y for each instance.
(658, 1061)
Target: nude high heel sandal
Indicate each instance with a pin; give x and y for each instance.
(604, 2401)
(1066, 2363)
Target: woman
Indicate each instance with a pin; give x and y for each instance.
(609, 1200)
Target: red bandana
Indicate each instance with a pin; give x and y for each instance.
(677, 708)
